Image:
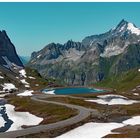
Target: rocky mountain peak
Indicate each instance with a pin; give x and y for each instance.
(126, 27)
(8, 54)
(122, 24)
(71, 43)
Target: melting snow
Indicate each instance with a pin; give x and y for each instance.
(27, 86)
(8, 86)
(49, 92)
(113, 100)
(136, 94)
(111, 96)
(98, 130)
(39, 56)
(1, 77)
(24, 82)
(3, 95)
(26, 93)
(23, 73)
(111, 51)
(133, 29)
(21, 118)
(91, 130)
(32, 77)
(132, 121)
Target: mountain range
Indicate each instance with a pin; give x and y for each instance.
(94, 59)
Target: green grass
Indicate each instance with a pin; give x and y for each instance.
(79, 102)
(123, 82)
(50, 112)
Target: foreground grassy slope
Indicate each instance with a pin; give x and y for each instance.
(123, 82)
(50, 112)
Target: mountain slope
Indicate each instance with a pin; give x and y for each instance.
(8, 55)
(10, 66)
(125, 81)
(94, 59)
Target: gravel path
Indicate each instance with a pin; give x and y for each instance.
(83, 113)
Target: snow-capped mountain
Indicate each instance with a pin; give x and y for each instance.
(116, 40)
(93, 59)
(125, 27)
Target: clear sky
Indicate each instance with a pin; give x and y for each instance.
(31, 26)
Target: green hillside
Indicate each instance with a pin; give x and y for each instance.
(123, 82)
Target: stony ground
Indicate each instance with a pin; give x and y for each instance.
(109, 113)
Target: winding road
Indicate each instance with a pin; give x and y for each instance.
(83, 113)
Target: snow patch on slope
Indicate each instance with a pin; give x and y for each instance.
(91, 130)
(111, 96)
(133, 29)
(23, 73)
(39, 56)
(113, 100)
(8, 86)
(98, 130)
(23, 81)
(1, 77)
(26, 93)
(132, 121)
(21, 118)
(112, 50)
(136, 94)
(31, 77)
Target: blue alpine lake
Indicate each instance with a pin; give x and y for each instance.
(75, 90)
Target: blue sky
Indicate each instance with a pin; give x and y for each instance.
(31, 26)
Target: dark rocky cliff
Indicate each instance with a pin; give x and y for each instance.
(8, 54)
